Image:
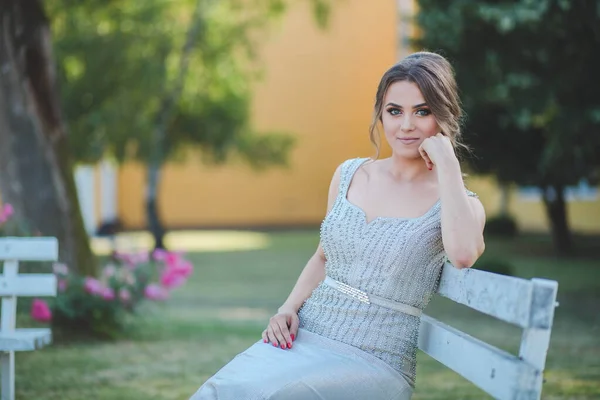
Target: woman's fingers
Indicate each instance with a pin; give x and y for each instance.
(425, 157)
(294, 323)
(285, 332)
(265, 337)
(272, 337)
(275, 332)
(282, 330)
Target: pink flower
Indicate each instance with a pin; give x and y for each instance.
(170, 279)
(132, 260)
(124, 295)
(60, 269)
(156, 292)
(168, 257)
(108, 294)
(62, 285)
(176, 274)
(40, 311)
(93, 286)
(6, 212)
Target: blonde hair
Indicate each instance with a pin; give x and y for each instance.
(434, 76)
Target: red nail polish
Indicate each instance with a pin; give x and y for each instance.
(293, 337)
(283, 346)
(274, 344)
(289, 345)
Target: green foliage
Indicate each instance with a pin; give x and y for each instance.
(526, 72)
(496, 266)
(117, 61)
(502, 226)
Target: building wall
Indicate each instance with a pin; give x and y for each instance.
(318, 85)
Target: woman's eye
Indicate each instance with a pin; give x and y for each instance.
(393, 111)
(423, 112)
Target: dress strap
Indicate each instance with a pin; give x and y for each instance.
(471, 194)
(349, 167)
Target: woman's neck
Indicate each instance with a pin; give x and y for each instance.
(404, 169)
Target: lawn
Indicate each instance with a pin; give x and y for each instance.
(175, 346)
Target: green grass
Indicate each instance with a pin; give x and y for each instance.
(174, 347)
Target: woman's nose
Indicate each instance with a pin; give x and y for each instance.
(407, 123)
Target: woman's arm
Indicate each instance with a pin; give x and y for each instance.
(283, 326)
(463, 217)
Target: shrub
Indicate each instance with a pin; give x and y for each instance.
(98, 306)
(504, 226)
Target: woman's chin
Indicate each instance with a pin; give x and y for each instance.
(403, 152)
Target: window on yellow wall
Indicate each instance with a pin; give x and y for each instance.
(581, 192)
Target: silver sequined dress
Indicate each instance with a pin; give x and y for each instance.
(358, 336)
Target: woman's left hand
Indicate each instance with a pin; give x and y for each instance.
(437, 150)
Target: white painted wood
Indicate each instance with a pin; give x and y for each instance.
(86, 191)
(9, 303)
(495, 371)
(25, 339)
(28, 285)
(536, 341)
(108, 191)
(13, 250)
(29, 248)
(7, 326)
(504, 297)
(8, 375)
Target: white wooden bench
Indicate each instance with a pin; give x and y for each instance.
(528, 304)
(12, 285)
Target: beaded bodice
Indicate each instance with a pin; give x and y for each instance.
(399, 259)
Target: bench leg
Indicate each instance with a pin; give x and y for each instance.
(8, 375)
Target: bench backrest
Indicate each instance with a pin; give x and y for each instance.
(528, 304)
(12, 285)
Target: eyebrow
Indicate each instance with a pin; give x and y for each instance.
(415, 106)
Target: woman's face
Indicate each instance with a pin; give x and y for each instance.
(407, 119)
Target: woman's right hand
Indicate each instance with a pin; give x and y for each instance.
(282, 329)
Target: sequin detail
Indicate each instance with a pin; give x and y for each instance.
(398, 259)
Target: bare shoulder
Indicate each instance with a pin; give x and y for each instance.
(368, 169)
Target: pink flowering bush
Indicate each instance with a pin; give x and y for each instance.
(98, 306)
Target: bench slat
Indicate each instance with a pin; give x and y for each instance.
(28, 285)
(504, 297)
(25, 339)
(29, 249)
(495, 371)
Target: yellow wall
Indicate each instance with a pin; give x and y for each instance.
(319, 85)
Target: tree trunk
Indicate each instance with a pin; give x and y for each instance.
(504, 199)
(163, 116)
(36, 173)
(154, 223)
(556, 209)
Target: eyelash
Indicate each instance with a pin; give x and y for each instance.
(427, 112)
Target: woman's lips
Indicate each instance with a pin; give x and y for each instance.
(408, 140)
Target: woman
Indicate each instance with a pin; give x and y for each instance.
(349, 328)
